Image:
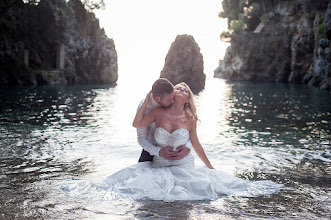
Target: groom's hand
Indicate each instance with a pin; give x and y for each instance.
(166, 153)
(169, 154)
(182, 152)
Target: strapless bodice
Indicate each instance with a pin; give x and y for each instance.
(174, 139)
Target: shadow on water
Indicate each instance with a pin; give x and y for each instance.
(158, 210)
(225, 208)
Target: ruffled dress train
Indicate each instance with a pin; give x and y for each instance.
(180, 179)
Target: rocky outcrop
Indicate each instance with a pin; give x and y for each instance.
(292, 45)
(184, 63)
(257, 60)
(55, 42)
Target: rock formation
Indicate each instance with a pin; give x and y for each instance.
(184, 63)
(55, 42)
(293, 46)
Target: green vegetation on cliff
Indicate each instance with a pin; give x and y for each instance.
(249, 13)
(278, 40)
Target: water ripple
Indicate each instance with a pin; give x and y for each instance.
(268, 131)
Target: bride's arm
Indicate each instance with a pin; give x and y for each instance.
(142, 120)
(197, 146)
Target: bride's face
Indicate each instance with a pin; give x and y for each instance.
(181, 91)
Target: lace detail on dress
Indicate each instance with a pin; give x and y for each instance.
(175, 139)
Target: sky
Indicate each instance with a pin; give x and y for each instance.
(143, 31)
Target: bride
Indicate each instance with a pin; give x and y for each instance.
(170, 180)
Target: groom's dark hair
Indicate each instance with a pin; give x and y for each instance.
(162, 86)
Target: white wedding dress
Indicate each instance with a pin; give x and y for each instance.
(167, 180)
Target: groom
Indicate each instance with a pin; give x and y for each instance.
(163, 95)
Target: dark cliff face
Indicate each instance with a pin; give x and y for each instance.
(54, 42)
(291, 45)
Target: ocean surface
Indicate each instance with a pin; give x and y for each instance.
(53, 135)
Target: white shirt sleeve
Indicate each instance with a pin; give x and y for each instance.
(144, 142)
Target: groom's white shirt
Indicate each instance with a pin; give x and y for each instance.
(146, 134)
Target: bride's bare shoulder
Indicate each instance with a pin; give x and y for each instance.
(192, 122)
(159, 110)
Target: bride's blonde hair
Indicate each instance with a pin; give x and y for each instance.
(189, 107)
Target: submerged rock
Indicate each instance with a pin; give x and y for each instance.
(184, 63)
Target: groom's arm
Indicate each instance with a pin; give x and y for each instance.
(145, 143)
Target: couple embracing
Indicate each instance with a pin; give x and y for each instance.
(168, 109)
(166, 126)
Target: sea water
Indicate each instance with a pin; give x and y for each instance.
(54, 135)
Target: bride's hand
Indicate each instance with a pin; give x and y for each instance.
(138, 121)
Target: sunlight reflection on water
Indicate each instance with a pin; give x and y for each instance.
(50, 135)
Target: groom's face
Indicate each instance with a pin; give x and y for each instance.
(167, 100)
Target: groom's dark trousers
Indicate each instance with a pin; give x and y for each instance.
(145, 156)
